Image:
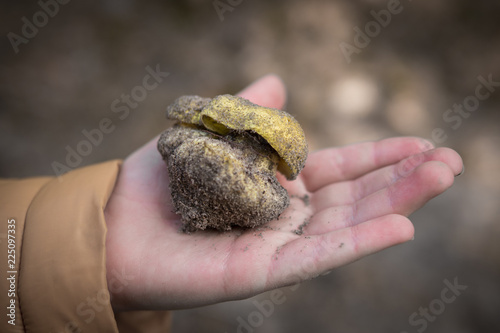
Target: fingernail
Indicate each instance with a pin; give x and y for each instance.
(461, 172)
(426, 145)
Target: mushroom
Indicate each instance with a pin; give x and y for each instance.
(222, 156)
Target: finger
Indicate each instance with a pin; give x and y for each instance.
(403, 197)
(309, 256)
(408, 194)
(350, 162)
(268, 91)
(347, 192)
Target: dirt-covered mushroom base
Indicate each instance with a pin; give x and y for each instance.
(217, 182)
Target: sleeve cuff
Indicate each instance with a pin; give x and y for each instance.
(62, 275)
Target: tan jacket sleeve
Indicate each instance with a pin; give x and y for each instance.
(52, 252)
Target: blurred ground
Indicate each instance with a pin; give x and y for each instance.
(66, 79)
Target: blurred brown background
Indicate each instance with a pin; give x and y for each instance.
(66, 78)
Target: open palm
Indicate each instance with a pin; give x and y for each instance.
(347, 203)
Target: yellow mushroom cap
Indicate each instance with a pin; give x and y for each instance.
(226, 112)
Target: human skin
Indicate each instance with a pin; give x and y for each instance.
(359, 199)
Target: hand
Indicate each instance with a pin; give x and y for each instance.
(347, 203)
